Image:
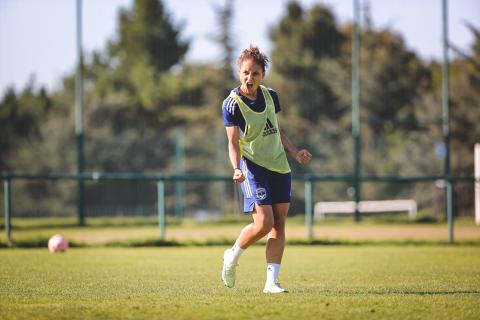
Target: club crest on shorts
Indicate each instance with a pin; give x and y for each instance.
(260, 194)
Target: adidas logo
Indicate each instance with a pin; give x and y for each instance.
(269, 128)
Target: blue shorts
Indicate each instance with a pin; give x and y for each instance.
(263, 186)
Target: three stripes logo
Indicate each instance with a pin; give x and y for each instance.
(269, 128)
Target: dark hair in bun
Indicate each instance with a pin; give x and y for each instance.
(255, 54)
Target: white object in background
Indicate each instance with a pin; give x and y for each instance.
(477, 183)
(57, 243)
(348, 207)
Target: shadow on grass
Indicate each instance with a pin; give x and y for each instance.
(26, 224)
(157, 242)
(439, 293)
(74, 225)
(407, 292)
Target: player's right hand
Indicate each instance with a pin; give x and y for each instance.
(238, 176)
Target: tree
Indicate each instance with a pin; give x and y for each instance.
(135, 72)
(392, 79)
(465, 117)
(147, 35)
(302, 41)
(224, 37)
(21, 116)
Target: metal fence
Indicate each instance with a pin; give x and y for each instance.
(310, 183)
(355, 181)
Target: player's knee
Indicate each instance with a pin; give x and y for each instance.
(279, 224)
(266, 226)
(279, 231)
(263, 227)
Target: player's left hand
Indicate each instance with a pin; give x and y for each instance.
(303, 156)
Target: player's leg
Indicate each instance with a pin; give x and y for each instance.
(281, 189)
(257, 201)
(275, 248)
(276, 236)
(262, 224)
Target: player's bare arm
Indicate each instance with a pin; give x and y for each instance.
(233, 136)
(302, 156)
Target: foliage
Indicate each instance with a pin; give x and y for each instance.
(21, 119)
(224, 38)
(139, 91)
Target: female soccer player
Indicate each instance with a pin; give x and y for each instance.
(257, 150)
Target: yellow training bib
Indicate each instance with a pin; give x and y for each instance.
(261, 141)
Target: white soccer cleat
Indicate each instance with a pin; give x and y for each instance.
(228, 271)
(274, 288)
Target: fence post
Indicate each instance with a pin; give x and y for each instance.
(309, 208)
(477, 183)
(356, 104)
(7, 193)
(446, 122)
(179, 170)
(79, 132)
(449, 205)
(161, 207)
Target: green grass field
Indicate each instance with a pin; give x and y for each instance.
(325, 282)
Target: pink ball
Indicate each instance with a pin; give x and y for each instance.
(57, 243)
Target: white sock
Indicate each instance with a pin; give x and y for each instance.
(272, 272)
(235, 253)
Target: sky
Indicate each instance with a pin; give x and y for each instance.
(38, 38)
